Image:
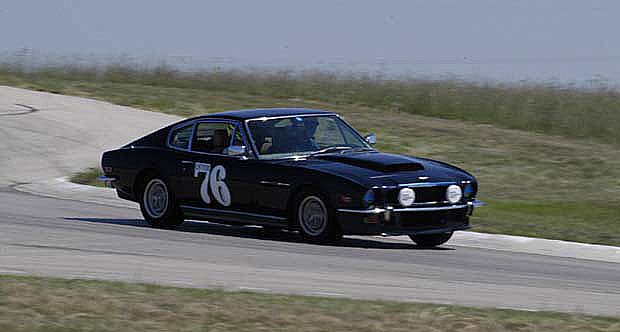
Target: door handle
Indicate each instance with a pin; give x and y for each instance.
(187, 162)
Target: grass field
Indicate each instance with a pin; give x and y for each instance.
(46, 304)
(88, 177)
(547, 158)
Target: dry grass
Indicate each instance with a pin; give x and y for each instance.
(89, 176)
(543, 108)
(46, 304)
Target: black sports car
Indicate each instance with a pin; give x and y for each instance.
(299, 169)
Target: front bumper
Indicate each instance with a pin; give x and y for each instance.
(411, 220)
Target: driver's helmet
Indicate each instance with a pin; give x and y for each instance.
(301, 131)
(310, 124)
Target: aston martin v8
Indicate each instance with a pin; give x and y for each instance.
(303, 170)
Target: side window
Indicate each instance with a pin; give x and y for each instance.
(213, 137)
(180, 137)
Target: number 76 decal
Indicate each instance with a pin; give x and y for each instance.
(214, 179)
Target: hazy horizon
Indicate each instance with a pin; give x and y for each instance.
(568, 41)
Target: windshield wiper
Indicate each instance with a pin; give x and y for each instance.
(329, 150)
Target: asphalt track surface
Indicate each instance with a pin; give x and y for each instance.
(68, 238)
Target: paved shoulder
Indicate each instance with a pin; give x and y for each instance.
(45, 135)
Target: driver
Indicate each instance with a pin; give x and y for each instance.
(311, 125)
(304, 130)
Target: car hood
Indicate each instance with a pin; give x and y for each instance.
(380, 162)
(372, 168)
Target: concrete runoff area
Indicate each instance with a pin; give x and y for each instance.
(66, 237)
(45, 135)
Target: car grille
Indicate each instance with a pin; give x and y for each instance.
(422, 195)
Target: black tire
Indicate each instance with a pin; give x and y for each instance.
(159, 214)
(431, 240)
(316, 229)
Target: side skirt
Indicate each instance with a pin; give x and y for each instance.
(232, 217)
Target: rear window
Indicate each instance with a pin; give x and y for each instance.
(181, 136)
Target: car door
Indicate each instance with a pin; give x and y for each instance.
(210, 178)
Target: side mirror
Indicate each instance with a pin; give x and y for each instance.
(237, 150)
(371, 139)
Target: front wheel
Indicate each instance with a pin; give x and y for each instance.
(315, 219)
(158, 205)
(431, 240)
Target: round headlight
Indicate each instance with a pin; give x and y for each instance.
(406, 196)
(454, 193)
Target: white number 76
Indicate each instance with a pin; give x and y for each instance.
(214, 179)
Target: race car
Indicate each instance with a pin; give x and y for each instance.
(302, 170)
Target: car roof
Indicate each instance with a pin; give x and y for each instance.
(262, 112)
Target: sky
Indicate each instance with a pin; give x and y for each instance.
(565, 40)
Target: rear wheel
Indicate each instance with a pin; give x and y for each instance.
(315, 218)
(431, 240)
(158, 205)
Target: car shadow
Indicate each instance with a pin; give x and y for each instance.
(257, 232)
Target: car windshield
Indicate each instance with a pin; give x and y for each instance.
(299, 136)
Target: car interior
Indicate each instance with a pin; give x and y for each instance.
(211, 138)
(285, 136)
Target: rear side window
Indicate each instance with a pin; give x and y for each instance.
(213, 137)
(181, 136)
